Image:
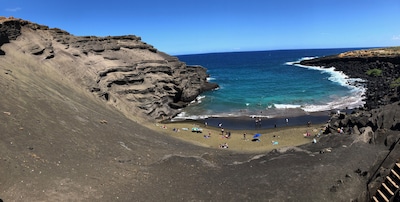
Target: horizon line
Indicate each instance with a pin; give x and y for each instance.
(284, 49)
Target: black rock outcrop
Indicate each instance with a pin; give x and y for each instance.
(380, 88)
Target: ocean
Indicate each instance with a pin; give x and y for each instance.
(270, 84)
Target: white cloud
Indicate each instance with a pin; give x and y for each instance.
(13, 9)
(396, 38)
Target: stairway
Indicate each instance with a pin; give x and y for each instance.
(389, 190)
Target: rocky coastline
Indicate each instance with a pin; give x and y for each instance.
(378, 122)
(381, 89)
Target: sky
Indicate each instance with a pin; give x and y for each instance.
(204, 26)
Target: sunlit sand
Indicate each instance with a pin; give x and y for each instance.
(269, 139)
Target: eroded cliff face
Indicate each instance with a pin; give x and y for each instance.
(124, 71)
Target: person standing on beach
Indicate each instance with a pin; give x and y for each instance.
(222, 131)
(287, 121)
(244, 136)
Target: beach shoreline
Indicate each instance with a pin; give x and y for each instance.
(256, 122)
(275, 133)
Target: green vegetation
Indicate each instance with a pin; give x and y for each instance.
(395, 83)
(374, 72)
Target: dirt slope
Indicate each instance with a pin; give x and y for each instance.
(58, 142)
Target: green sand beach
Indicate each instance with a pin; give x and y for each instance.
(269, 139)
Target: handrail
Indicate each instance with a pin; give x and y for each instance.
(392, 147)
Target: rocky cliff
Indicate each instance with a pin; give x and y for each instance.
(124, 71)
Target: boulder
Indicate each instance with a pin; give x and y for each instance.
(386, 117)
(355, 130)
(366, 135)
(391, 140)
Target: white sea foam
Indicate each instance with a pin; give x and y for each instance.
(355, 86)
(349, 102)
(210, 78)
(198, 99)
(183, 116)
(286, 106)
(298, 61)
(261, 116)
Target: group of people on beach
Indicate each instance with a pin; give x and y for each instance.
(227, 134)
(223, 133)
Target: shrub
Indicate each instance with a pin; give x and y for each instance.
(395, 83)
(374, 72)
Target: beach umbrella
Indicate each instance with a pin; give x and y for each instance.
(256, 136)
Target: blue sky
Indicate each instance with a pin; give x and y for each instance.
(188, 26)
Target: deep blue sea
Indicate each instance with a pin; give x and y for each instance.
(270, 84)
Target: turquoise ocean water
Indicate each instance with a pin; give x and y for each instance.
(270, 84)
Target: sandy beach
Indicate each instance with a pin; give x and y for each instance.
(269, 137)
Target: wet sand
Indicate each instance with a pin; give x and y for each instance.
(249, 123)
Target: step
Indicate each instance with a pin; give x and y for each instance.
(390, 181)
(382, 195)
(375, 199)
(397, 167)
(395, 174)
(387, 189)
(379, 197)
